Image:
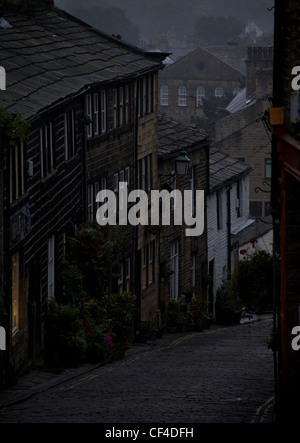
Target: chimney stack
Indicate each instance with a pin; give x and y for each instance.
(259, 71)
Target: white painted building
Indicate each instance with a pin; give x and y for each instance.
(227, 215)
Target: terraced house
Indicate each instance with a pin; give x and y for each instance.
(90, 101)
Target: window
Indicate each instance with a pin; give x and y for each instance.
(115, 108)
(239, 187)
(69, 134)
(90, 202)
(103, 111)
(219, 92)
(120, 277)
(51, 266)
(15, 292)
(255, 209)
(127, 110)
(236, 91)
(200, 94)
(164, 96)
(88, 110)
(96, 114)
(121, 106)
(182, 96)
(17, 171)
(124, 276)
(174, 269)
(219, 210)
(47, 149)
(145, 173)
(148, 254)
(268, 168)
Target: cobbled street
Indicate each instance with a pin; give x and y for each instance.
(220, 375)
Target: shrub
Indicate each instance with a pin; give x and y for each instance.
(120, 310)
(252, 279)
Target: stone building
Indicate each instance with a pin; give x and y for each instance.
(182, 257)
(244, 134)
(213, 74)
(227, 216)
(90, 101)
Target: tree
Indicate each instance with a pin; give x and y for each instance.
(110, 20)
(212, 30)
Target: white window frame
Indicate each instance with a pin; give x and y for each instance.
(182, 97)
(164, 95)
(200, 94)
(219, 92)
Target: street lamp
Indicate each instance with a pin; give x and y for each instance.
(182, 163)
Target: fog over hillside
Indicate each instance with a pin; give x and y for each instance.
(212, 21)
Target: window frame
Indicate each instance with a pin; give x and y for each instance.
(182, 96)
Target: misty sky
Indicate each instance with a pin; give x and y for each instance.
(147, 20)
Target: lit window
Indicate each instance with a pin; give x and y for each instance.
(15, 292)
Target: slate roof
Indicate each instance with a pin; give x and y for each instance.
(50, 56)
(240, 101)
(174, 136)
(224, 169)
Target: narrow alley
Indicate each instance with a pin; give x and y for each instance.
(220, 375)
